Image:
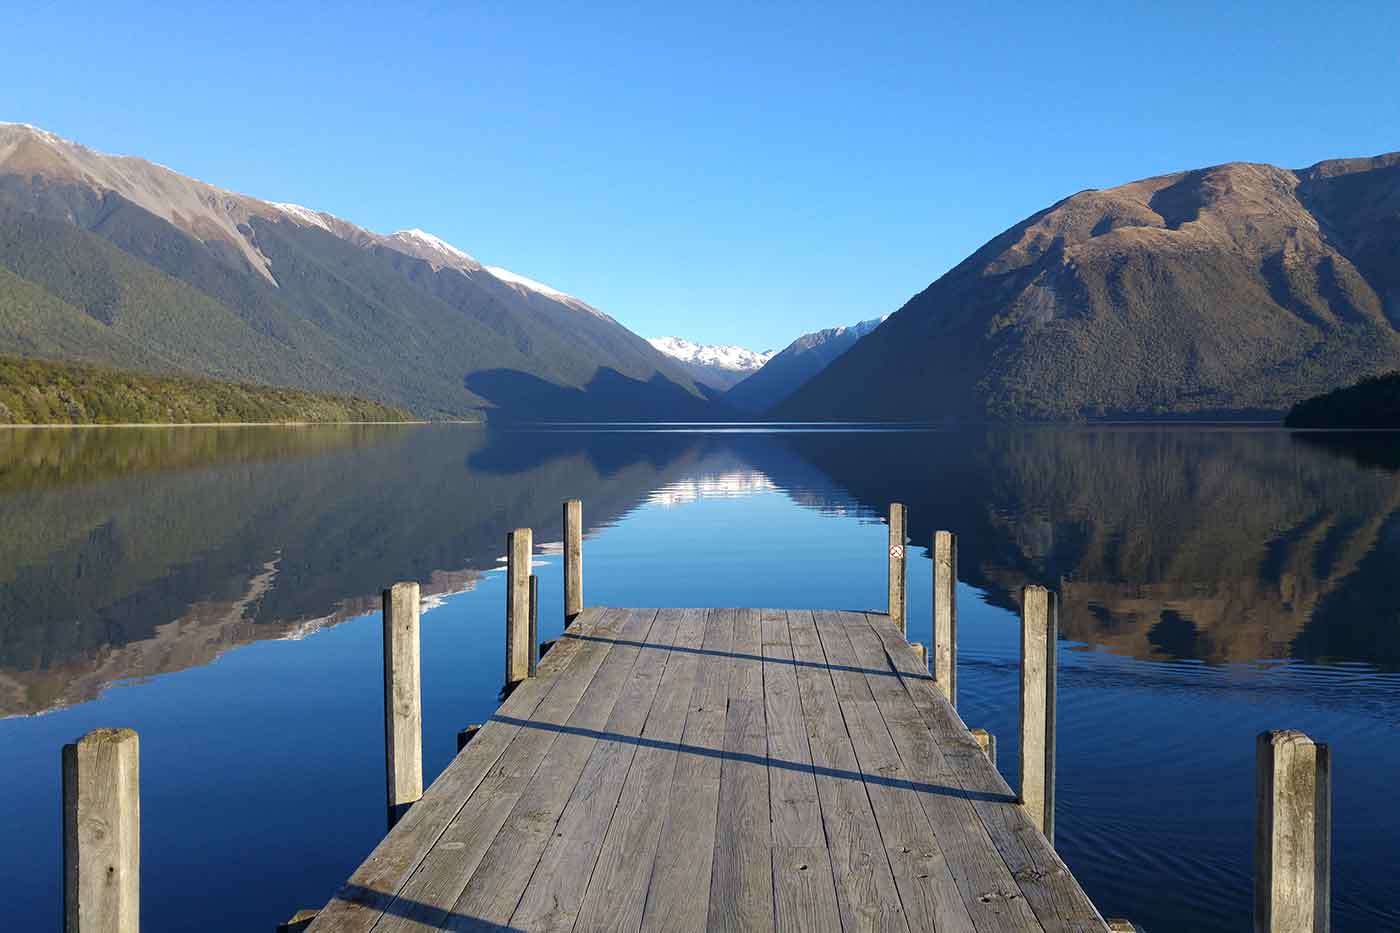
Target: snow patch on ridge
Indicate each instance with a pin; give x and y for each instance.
(519, 281)
(739, 359)
(424, 238)
(303, 215)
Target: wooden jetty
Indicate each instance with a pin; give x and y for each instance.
(734, 769)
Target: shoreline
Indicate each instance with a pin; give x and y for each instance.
(223, 424)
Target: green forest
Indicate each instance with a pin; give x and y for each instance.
(43, 392)
(1371, 403)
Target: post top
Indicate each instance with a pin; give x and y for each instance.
(404, 588)
(1281, 737)
(109, 735)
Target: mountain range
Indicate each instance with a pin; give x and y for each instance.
(1229, 291)
(120, 261)
(798, 362)
(719, 367)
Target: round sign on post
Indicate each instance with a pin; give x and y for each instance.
(897, 551)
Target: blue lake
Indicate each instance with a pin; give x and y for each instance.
(217, 590)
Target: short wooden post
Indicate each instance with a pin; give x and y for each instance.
(1119, 925)
(403, 700)
(921, 651)
(898, 536)
(945, 614)
(573, 560)
(466, 735)
(102, 833)
(1293, 834)
(534, 624)
(988, 743)
(1039, 631)
(519, 549)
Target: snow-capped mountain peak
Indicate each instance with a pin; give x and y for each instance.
(738, 359)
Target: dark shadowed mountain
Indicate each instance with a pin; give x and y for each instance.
(798, 362)
(1241, 288)
(119, 261)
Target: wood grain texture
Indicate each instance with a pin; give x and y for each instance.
(719, 769)
(945, 614)
(403, 700)
(102, 833)
(573, 559)
(519, 553)
(898, 574)
(617, 888)
(1039, 634)
(678, 891)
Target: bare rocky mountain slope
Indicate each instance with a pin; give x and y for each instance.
(1237, 289)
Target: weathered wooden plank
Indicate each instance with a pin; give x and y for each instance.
(804, 900)
(1047, 885)
(804, 891)
(990, 894)
(494, 889)
(678, 894)
(796, 812)
(555, 891)
(741, 881)
(617, 889)
(482, 785)
(361, 901)
(865, 887)
(927, 889)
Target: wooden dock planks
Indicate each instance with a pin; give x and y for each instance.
(718, 769)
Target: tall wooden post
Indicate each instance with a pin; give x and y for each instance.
(102, 833)
(1293, 834)
(898, 536)
(534, 624)
(519, 548)
(945, 614)
(403, 700)
(573, 560)
(1039, 631)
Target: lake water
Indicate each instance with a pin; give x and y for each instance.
(217, 590)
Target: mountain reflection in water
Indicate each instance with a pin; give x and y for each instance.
(131, 553)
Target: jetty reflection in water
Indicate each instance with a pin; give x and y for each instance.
(1214, 582)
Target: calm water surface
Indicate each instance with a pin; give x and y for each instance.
(216, 589)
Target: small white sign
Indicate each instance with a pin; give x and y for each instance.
(897, 551)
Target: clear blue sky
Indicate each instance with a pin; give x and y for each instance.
(730, 173)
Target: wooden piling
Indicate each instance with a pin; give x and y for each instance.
(987, 742)
(403, 700)
(898, 537)
(921, 651)
(573, 560)
(466, 735)
(1039, 631)
(1293, 834)
(519, 549)
(534, 624)
(102, 833)
(945, 614)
